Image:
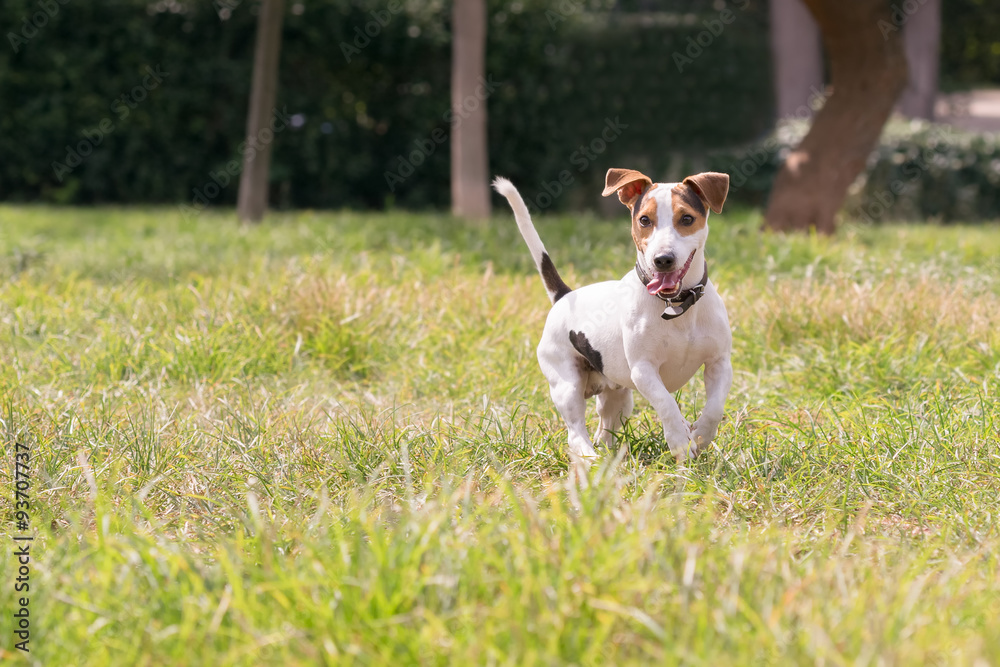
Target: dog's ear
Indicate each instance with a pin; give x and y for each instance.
(712, 187)
(628, 183)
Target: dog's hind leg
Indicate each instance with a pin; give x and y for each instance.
(614, 406)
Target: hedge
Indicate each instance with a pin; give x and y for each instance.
(359, 106)
(155, 94)
(918, 171)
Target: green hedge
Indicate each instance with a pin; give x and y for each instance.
(930, 171)
(970, 44)
(561, 73)
(573, 87)
(918, 171)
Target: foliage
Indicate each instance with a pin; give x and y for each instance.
(970, 44)
(364, 102)
(368, 107)
(928, 171)
(629, 68)
(325, 440)
(918, 171)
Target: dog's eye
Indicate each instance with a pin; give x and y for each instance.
(644, 221)
(687, 220)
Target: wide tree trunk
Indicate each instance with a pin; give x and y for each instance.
(922, 40)
(252, 199)
(797, 56)
(867, 72)
(470, 192)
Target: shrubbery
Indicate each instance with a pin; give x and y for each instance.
(368, 91)
(970, 44)
(924, 170)
(918, 171)
(573, 87)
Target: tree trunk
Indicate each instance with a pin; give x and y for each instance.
(867, 71)
(797, 57)
(922, 40)
(252, 199)
(470, 193)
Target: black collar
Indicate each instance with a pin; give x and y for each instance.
(676, 305)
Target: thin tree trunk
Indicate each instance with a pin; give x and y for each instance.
(868, 71)
(922, 40)
(252, 200)
(470, 193)
(797, 56)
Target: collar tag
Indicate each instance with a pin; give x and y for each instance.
(675, 309)
(678, 305)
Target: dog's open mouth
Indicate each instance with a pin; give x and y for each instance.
(669, 284)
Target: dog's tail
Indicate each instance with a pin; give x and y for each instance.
(554, 284)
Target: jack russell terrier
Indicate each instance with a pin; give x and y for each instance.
(652, 330)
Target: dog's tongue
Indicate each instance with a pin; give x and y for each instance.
(665, 282)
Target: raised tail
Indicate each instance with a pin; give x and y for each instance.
(554, 284)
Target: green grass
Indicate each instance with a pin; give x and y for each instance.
(325, 440)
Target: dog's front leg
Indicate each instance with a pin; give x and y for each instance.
(646, 378)
(718, 380)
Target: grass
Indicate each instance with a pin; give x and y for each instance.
(325, 440)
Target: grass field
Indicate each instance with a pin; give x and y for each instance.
(325, 440)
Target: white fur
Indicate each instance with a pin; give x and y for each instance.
(665, 239)
(639, 350)
(535, 245)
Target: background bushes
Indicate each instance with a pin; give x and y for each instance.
(929, 171)
(561, 72)
(684, 90)
(970, 44)
(918, 171)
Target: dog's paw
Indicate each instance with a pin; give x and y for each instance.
(688, 451)
(703, 432)
(680, 443)
(583, 452)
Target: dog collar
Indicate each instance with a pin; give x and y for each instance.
(677, 305)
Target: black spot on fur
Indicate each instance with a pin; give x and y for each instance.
(692, 199)
(583, 346)
(553, 283)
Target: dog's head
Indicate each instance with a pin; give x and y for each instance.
(669, 222)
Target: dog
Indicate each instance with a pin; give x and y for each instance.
(650, 331)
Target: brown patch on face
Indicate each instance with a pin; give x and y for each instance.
(645, 206)
(686, 202)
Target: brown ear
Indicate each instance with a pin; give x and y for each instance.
(628, 183)
(712, 187)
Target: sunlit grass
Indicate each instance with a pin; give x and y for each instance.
(325, 439)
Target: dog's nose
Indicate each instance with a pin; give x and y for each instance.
(665, 262)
